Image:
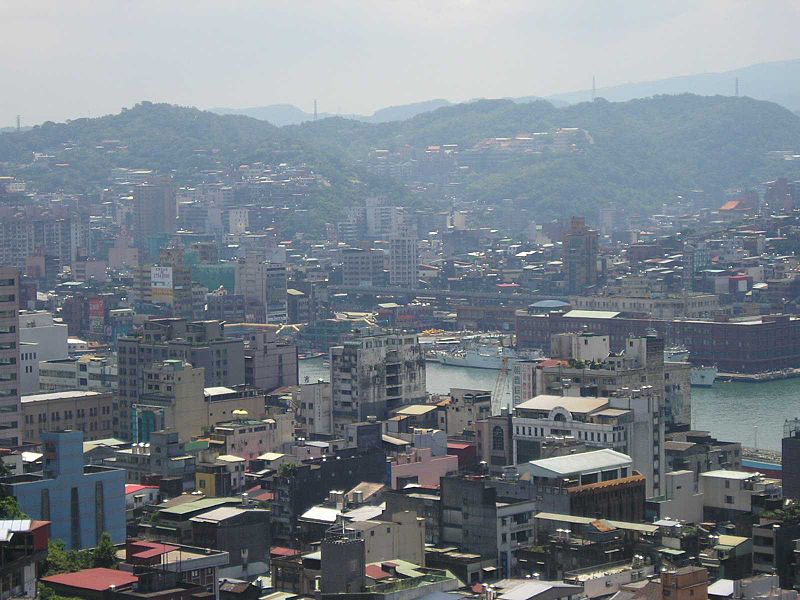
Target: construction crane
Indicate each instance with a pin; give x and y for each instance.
(500, 386)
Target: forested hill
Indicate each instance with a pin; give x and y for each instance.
(644, 151)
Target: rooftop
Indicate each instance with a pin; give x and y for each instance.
(580, 463)
(59, 395)
(97, 580)
(573, 404)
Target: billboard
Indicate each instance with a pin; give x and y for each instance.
(161, 285)
(97, 315)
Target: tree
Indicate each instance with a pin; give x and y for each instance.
(61, 560)
(105, 554)
(9, 509)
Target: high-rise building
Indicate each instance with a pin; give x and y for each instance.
(580, 256)
(10, 408)
(155, 208)
(403, 258)
(790, 459)
(263, 284)
(372, 375)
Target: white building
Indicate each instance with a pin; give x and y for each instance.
(403, 259)
(314, 408)
(88, 372)
(629, 423)
(735, 490)
(39, 327)
(263, 284)
(28, 368)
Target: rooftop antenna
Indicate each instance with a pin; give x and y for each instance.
(594, 88)
(315, 109)
(737, 87)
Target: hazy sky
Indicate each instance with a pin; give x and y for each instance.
(71, 58)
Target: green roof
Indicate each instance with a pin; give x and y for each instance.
(196, 445)
(204, 504)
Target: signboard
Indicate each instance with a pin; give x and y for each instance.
(161, 277)
(161, 285)
(97, 315)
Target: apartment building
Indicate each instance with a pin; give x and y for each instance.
(202, 344)
(86, 411)
(10, 410)
(363, 267)
(88, 372)
(372, 375)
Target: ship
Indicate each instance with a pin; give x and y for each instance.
(701, 376)
(484, 357)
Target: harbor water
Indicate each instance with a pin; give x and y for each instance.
(750, 413)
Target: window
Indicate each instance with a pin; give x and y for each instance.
(728, 499)
(498, 438)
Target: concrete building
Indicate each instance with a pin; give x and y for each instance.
(476, 518)
(679, 500)
(88, 372)
(735, 495)
(10, 410)
(250, 438)
(201, 344)
(89, 412)
(790, 459)
(175, 398)
(403, 259)
(24, 549)
(154, 209)
(163, 461)
(580, 256)
(420, 466)
(363, 267)
(463, 409)
(269, 362)
(523, 380)
(28, 368)
(655, 305)
(314, 408)
(372, 375)
(587, 484)
(263, 284)
(241, 532)
(50, 337)
(629, 423)
(80, 501)
(583, 364)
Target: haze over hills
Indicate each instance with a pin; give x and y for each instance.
(777, 82)
(289, 114)
(644, 151)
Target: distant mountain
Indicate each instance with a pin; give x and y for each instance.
(777, 82)
(289, 114)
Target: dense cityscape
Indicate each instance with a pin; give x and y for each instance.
(515, 349)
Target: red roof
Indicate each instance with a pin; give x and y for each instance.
(281, 551)
(97, 580)
(458, 445)
(132, 488)
(150, 549)
(375, 572)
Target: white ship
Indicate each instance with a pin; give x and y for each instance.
(484, 357)
(701, 376)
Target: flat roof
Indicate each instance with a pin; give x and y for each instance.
(60, 395)
(93, 579)
(196, 505)
(727, 474)
(579, 463)
(640, 527)
(574, 404)
(592, 314)
(416, 409)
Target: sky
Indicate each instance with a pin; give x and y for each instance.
(68, 59)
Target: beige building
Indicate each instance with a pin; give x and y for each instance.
(84, 410)
(463, 409)
(657, 306)
(174, 398)
(399, 537)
